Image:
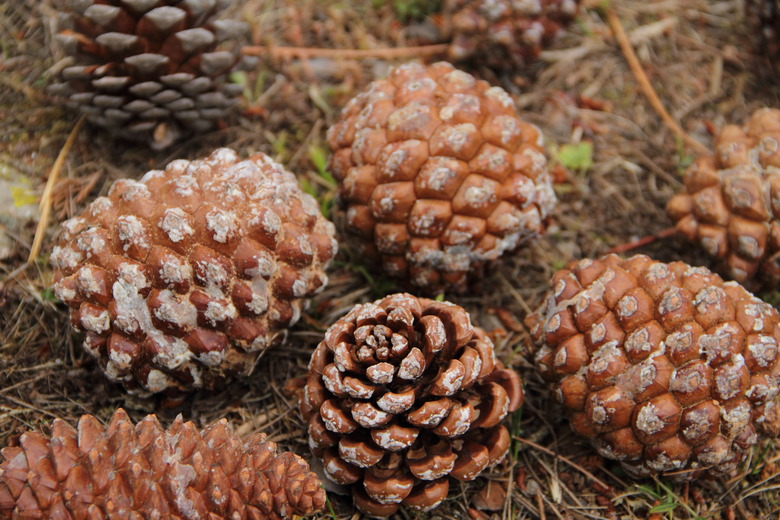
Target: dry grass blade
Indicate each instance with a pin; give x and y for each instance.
(560, 457)
(45, 204)
(644, 83)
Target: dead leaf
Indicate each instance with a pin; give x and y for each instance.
(491, 497)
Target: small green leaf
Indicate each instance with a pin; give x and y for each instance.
(577, 157)
(326, 205)
(23, 196)
(307, 187)
(440, 297)
(239, 77)
(279, 144)
(319, 157)
(647, 490)
(559, 264)
(684, 159)
(48, 295)
(667, 507)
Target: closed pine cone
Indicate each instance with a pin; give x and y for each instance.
(505, 33)
(438, 175)
(149, 70)
(664, 367)
(403, 393)
(182, 279)
(143, 471)
(730, 203)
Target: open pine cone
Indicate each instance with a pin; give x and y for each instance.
(731, 200)
(143, 471)
(182, 279)
(149, 70)
(403, 393)
(504, 33)
(664, 367)
(438, 175)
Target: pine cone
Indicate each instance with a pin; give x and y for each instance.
(150, 70)
(181, 279)
(664, 367)
(505, 33)
(731, 201)
(438, 175)
(144, 471)
(401, 393)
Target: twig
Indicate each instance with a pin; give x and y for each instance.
(347, 54)
(563, 459)
(644, 82)
(540, 505)
(45, 205)
(649, 239)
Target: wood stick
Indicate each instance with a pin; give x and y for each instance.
(346, 54)
(649, 239)
(644, 82)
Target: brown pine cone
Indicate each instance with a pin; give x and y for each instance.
(149, 70)
(403, 393)
(438, 175)
(505, 33)
(731, 200)
(143, 471)
(664, 367)
(182, 279)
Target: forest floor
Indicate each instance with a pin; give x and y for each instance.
(616, 166)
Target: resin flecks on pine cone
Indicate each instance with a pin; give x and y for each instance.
(438, 175)
(150, 70)
(505, 33)
(664, 367)
(143, 471)
(403, 393)
(730, 203)
(181, 279)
